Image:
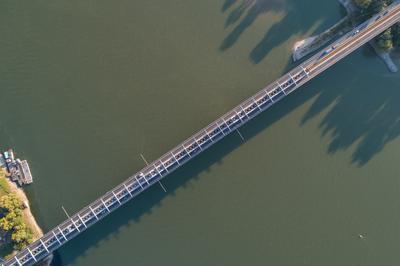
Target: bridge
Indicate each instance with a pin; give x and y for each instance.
(205, 138)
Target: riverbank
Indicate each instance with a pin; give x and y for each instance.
(311, 44)
(28, 217)
(386, 57)
(306, 46)
(21, 208)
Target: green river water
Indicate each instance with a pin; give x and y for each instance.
(86, 86)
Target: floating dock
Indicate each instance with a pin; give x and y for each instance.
(26, 172)
(19, 171)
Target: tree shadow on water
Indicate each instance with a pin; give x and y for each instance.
(362, 108)
(251, 9)
(227, 4)
(362, 111)
(357, 114)
(297, 20)
(356, 110)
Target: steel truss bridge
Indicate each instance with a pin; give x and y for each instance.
(205, 138)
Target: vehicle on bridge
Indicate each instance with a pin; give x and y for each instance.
(327, 51)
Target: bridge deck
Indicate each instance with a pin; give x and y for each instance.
(203, 139)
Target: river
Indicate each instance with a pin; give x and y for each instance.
(88, 86)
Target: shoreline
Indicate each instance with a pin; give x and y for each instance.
(348, 5)
(28, 216)
(19, 227)
(386, 58)
(300, 48)
(310, 44)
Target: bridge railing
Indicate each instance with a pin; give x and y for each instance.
(179, 155)
(152, 173)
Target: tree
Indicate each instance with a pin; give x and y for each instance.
(21, 238)
(10, 202)
(396, 35)
(11, 221)
(385, 40)
(363, 3)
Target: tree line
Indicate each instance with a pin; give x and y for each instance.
(390, 38)
(12, 222)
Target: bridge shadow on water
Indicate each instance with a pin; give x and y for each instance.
(365, 116)
(357, 112)
(297, 19)
(146, 202)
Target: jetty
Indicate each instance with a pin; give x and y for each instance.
(17, 170)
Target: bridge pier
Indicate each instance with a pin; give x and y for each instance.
(199, 142)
